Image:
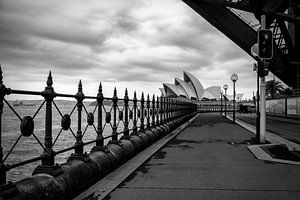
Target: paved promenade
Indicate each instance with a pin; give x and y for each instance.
(284, 127)
(210, 160)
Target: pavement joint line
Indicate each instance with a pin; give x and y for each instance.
(210, 189)
(107, 184)
(259, 153)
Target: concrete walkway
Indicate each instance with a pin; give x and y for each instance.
(283, 127)
(209, 160)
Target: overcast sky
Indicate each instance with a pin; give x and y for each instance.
(137, 44)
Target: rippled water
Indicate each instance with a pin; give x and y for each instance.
(28, 147)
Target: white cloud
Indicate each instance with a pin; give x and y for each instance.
(135, 43)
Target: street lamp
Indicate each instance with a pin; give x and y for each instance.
(221, 92)
(234, 78)
(225, 88)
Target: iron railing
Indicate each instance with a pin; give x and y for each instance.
(216, 107)
(120, 117)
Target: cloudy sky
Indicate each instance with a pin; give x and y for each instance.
(137, 44)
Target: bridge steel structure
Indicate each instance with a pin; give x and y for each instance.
(283, 18)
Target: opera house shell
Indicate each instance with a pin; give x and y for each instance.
(190, 88)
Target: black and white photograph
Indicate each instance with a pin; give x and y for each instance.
(149, 99)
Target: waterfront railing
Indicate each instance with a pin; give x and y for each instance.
(123, 116)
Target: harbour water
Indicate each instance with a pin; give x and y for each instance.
(29, 147)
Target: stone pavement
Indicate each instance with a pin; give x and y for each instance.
(209, 160)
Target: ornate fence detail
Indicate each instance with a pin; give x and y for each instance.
(121, 128)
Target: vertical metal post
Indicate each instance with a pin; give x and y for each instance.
(157, 111)
(153, 111)
(3, 91)
(225, 104)
(262, 95)
(48, 155)
(126, 122)
(233, 114)
(262, 110)
(142, 127)
(161, 110)
(171, 109)
(168, 109)
(114, 127)
(99, 139)
(134, 113)
(148, 111)
(257, 109)
(49, 94)
(79, 143)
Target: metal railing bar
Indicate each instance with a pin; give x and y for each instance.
(9, 167)
(85, 130)
(65, 95)
(16, 142)
(104, 126)
(57, 137)
(64, 150)
(73, 109)
(38, 141)
(106, 137)
(72, 132)
(95, 128)
(95, 108)
(90, 97)
(38, 110)
(27, 92)
(104, 108)
(7, 103)
(86, 112)
(57, 109)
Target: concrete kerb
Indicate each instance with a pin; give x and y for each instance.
(107, 184)
(257, 150)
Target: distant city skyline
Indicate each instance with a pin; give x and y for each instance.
(125, 44)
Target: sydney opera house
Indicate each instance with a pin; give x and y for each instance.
(190, 88)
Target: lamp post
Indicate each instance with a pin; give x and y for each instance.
(225, 88)
(234, 78)
(221, 92)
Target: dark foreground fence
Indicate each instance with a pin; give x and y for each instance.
(133, 125)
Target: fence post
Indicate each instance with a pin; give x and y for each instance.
(99, 139)
(114, 127)
(3, 92)
(79, 155)
(126, 122)
(48, 155)
(153, 111)
(134, 132)
(167, 110)
(142, 128)
(157, 111)
(161, 110)
(148, 112)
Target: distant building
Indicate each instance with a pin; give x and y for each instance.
(190, 88)
(238, 97)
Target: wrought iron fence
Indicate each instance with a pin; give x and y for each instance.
(121, 116)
